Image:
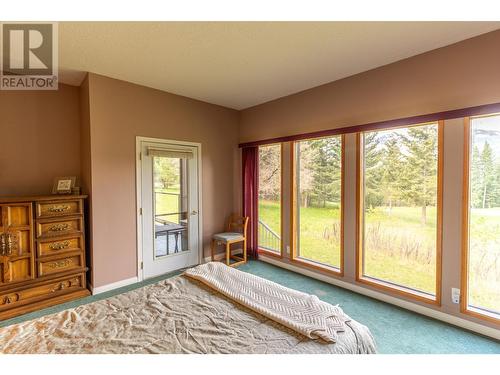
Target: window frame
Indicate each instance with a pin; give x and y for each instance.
(464, 287)
(262, 251)
(386, 286)
(294, 258)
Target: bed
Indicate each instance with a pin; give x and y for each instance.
(177, 315)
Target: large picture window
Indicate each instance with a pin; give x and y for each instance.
(399, 200)
(481, 284)
(270, 197)
(318, 201)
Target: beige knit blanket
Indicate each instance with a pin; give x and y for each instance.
(304, 313)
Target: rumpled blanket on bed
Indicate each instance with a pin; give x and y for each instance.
(302, 312)
(177, 315)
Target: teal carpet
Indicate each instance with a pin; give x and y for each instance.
(395, 330)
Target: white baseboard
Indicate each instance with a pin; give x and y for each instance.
(451, 319)
(115, 285)
(220, 256)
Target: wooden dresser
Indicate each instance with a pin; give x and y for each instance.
(42, 252)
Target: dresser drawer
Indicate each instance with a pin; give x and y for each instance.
(56, 246)
(58, 286)
(59, 227)
(68, 263)
(58, 208)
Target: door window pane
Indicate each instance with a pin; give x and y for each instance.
(399, 176)
(269, 210)
(484, 215)
(319, 198)
(170, 205)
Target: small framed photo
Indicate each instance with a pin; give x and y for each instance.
(63, 185)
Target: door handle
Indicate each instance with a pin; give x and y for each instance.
(194, 212)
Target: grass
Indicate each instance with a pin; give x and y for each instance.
(398, 248)
(167, 203)
(484, 258)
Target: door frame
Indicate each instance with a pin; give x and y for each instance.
(138, 203)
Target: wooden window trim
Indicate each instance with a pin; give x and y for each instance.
(267, 252)
(294, 258)
(384, 286)
(464, 278)
(399, 290)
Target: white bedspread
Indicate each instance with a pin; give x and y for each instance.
(304, 313)
(177, 315)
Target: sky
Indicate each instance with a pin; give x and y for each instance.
(486, 129)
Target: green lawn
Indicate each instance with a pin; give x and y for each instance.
(484, 258)
(398, 248)
(167, 203)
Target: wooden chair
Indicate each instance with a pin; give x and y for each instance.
(236, 233)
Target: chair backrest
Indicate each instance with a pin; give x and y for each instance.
(238, 224)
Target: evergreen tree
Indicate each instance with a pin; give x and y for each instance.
(392, 165)
(496, 187)
(372, 169)
(327, 170)
(476, 177)
(419, 178)
(488, 175)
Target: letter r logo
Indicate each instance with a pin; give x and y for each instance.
(27, 49)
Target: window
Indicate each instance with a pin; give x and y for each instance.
(170, 202)
(399, 200)
(481, 276)
(269, 210)
(318, 201)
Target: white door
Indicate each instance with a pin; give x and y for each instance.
(170, 206)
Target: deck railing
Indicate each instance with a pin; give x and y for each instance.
(164, 215)
(268, 239)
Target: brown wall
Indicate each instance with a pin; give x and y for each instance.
(458, 76)
(462, 75)
(90, 132)
(120, 111)
(40, 137)
(86, 169)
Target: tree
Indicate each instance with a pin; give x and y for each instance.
(392, 165)
(372, 169)
(476, 178)
(487, 175)
(496, 187)
(306, 165)
(166, 172)
(484, 178)
(270, 172)
(419, 178)
(326, 170)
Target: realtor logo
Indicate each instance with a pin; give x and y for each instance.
(28, 56)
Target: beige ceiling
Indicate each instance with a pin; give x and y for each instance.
(242, 64)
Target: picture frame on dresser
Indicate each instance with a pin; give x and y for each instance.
(64, 185)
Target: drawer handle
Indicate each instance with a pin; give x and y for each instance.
(66, 284)
(59, 227)
(61, 208)
(9, 242)
(3, 244)
(59, 245)
(10, 299)
(61, 286)
(59, 264)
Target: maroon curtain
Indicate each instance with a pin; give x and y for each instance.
(250, 161)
